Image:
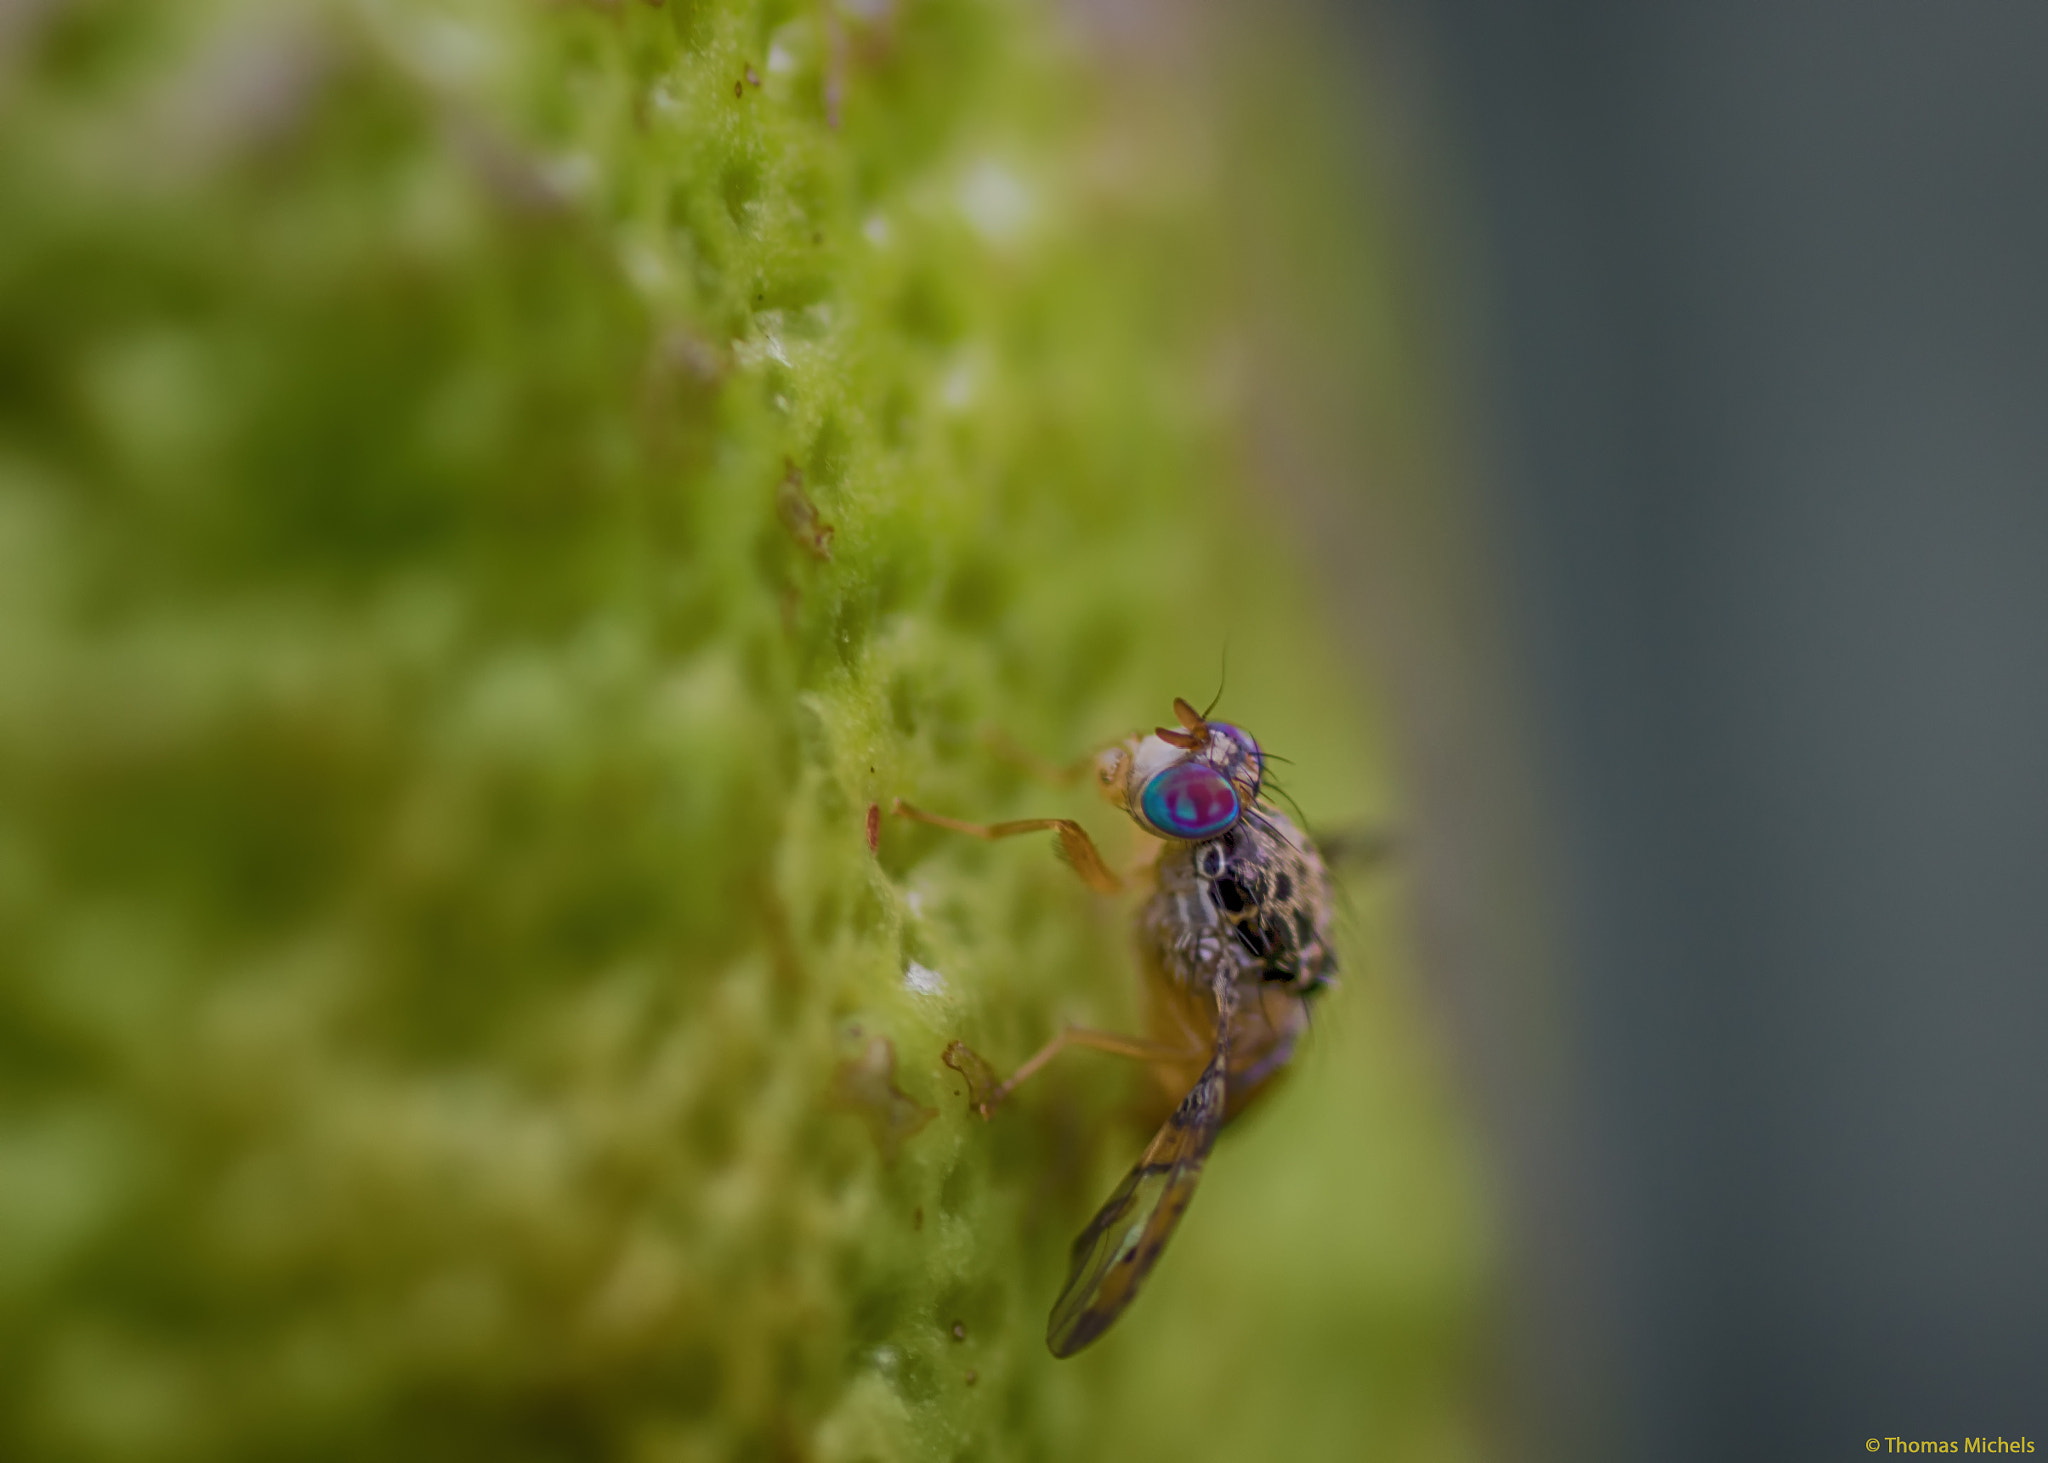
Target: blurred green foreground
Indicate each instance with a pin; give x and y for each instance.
(490, 494)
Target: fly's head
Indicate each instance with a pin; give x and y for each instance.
(1189, 785)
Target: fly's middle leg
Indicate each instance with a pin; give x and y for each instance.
(986, 1092)
(1079, 848)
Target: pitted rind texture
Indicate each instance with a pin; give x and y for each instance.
(490, 495)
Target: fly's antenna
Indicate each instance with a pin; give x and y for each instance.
(1222, 679)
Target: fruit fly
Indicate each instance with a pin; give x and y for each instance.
(1234, 941)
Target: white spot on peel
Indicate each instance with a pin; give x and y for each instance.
(571, 175)
(448, 51)
(876, 231)
(996, 202)
(771, 336)
(767, 346)
(923, 980)
(956, 392)
(646, 268)
(780, 62)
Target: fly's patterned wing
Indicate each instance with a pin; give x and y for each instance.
(1115, 1253)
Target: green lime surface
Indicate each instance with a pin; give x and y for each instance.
(439, 938)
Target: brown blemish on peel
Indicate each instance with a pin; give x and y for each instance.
(800, 515)
(982, 1082)
(866, 1086)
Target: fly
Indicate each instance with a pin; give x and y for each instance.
(1234, 941)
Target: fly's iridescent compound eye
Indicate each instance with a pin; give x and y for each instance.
(1189, 800)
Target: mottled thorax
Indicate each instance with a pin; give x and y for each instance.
(1252, 905)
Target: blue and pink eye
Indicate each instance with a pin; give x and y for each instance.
(1189, 800)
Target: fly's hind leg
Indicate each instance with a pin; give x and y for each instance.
(1079, 848)
(985, 1091)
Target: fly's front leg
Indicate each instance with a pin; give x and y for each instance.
(985, 1092)
(1075, 843)
(1053, 773)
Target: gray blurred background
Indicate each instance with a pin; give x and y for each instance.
(1756, 337)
